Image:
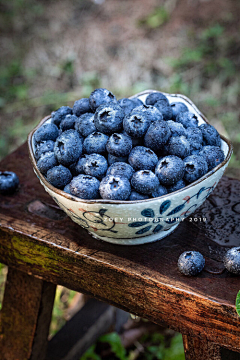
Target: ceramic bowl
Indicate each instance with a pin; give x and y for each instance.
(143, 221)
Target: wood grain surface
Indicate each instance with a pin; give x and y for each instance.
(37, 238)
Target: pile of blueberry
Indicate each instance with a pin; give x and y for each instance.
(191, 263)
(125, 149)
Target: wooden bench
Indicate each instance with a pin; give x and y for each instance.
(43, 247)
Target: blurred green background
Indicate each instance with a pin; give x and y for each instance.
(55, 52)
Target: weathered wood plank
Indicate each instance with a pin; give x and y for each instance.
(196, 349)
(24, 310)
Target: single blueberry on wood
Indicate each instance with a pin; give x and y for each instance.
(9, 182)
(231, 260)
(191, 263)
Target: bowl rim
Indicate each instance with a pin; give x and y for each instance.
(120, 202)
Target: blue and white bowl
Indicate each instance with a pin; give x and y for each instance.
(142, 221)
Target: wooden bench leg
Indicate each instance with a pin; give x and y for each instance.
(25, 317)
(196, 349)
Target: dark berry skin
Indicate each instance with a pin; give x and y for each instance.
(213, 155)
(187, 119)
(154, 97)
(195, 167)
(119, 145)
(68, 147)
(231, 260)
(81, 107)
(191, 263)
(137, 101)
(164, 108)
(121, 169)
(113, 159)
(47, 131)
(176, 129)
(85, 187)
(101, 96)
(115, 188)
(137, 196)
(77, 167)
(9, 182)
(179, 146)
(127, 105)
(151, 112)
(46, 162)
(145, 182)
(85, 125)
(157, 135)
(68, 122)
(59, 176)
(44, 147)
(95, 143)
(95, 165)
(160, 191)
(142, 158)
(177, 108)
(210, 135)
(170, 170)
(179, 185)
(136, 124)
(108, 118)
(59, 115)
(194, 134)
(67, 189)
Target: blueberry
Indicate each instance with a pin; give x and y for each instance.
(137, 196)
(67, 189)
(81, 107)
(95, 143)
(136, 124)
(232, 260)
(177, 108)
(193, 134)
(77, 167)
(195, 167)
(85, 187)
(210, 135)
(101, 96)
(151, 112)
(187, 119)
(164, 108)
(59, 176)
(95, 165)
(176, 129)
(191, 263)
(85, 125)
(179, 146)
(154, 97)
(113, 159)
(137, 101)
(195, 148)
(127, 105)
(68, 147)
(43, 147)
(115, 188)
(213, 155)
(179, 185)
(142, 158)
(145, 182)
(59, 115)
(46, 162)
(121, 169)
(119, 145)
(160, 191)
(157, 135)
(108, 118)
(47, 131)
(8, 182)
(135, 141)
(68, 122)
(170, 170)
